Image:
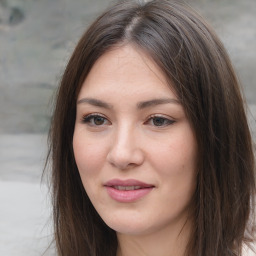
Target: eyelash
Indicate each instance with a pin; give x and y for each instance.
(166, 121)
(90, 120)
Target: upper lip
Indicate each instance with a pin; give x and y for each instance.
(129, 182)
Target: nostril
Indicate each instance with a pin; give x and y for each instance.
(124, 159)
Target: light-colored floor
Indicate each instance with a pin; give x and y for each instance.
(25, 209)
(24, 219)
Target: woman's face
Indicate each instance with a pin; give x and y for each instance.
(133, 145)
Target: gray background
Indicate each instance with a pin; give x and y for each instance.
(38, 36)
(36, 40)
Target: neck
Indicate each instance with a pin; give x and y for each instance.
(170, 241)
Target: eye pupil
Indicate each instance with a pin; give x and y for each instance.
(158, 121)
(98, 120)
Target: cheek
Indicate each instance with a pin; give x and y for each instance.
(177, 154)
(89, 156)
(176, 163)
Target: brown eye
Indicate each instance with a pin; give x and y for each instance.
(95, 120)
(160, 121)
(98, 120)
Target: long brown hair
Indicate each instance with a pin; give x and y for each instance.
(196, 64)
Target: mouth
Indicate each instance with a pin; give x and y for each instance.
(126, 191)
(127, 187)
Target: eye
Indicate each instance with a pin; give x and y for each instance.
(95, 120)
(159, 121)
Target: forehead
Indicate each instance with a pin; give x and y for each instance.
(125, 69)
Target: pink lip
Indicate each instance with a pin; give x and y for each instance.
(126, 196)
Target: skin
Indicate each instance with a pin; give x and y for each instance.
(123, 132)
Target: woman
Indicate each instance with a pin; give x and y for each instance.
(150, 147)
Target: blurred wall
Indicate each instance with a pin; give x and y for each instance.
(38, 36)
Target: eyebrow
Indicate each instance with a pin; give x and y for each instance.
(140, 105)
(154, 102)
(95, 102)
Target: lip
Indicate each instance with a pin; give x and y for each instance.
(129, 194)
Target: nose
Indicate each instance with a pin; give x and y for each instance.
(125, 151)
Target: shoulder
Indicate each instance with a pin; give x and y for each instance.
(248, 252)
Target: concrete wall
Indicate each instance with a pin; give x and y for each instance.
(37, 38)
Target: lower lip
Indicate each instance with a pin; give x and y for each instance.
(127, 196)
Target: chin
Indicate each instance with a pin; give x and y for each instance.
(129, 226)
(131, 230)
(134, 227)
